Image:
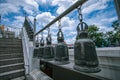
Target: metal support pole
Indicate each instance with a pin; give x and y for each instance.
(75, 5)
(117, 5)
(34, 32)
(0, 19)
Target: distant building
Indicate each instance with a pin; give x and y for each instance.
(1, 30)
(6, 34)
(9, 34)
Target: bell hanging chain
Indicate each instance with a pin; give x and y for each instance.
(37, 38)
(60, 36)
(48, 31)
(59, 24)
(80, 17)
(48, 38)
(42, 40)
(42, 34)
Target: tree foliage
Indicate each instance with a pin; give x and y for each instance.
(110, 38)
(116, 35)
(95, 35)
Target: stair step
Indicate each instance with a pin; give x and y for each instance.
(8, 56)
(6, 53)
(11, 50)
(11, 67)
(12, 74)
(11, 45)
(19, 78)
(9, 40)
(10, 61)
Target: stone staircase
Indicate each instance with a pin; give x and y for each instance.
(11, 59)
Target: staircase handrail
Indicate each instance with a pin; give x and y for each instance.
(31, 24)
(26, 52)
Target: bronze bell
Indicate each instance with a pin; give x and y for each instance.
(48, 49)
(84, 51)
(41, 48)
(36, 52)
(37, 43)
(36, 49)
(61, 49)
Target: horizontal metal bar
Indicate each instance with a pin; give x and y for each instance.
(75, 5)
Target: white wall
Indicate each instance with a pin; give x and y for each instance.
(109, 59)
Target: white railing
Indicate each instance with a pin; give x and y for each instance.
(27, 51)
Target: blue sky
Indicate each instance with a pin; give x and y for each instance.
(98, 12)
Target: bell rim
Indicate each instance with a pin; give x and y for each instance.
(87, 69)
(61, 62)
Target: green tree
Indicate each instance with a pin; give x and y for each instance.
(116, 26)
(110, 38)
(116, 36)
(96, 36)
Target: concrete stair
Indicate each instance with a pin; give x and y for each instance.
(12, 74)
(11, 59)
(9, 56)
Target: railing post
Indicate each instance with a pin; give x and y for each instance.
(34, 32)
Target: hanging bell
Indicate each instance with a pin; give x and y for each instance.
(37, 43)
(36, 49)
(84, 51)
(61, 50)
(48, 50)
(41, 48)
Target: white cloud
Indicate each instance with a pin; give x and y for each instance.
(44, 18)
(19, 18)
(68, 24)
(71, 40)
(18, 22)
(32, 2)
(43, 1)
(62, 4)
(14, 6)
(93, 5)
(100, 23)
(109, 20)
(6, 8)
(105, 28)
